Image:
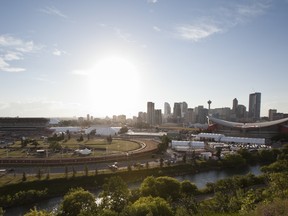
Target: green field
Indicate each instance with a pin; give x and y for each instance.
(99, 146)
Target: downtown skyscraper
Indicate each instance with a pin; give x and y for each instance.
(254, 106)
(150, 113)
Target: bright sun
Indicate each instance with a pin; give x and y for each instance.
(112, 80)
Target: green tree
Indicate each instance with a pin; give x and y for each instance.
(165, 140)
(267, 156)
(81, 138)
(1, 212)
(115, 194)
(163, 186)
(278, 186)
(188, 188)
(109, 139)
(24, 142)
(66, 172)
(48, 175)
(146, 206)
(184, 158)
(186, 206)
(276, 208)
(148, 187)
(35, 212)
(248, 156)
(77, 201)
(55, 146)
(24, 178)
(161, 162)
(35, 143)
(278, 166)
(86, 171)
(123, 130)
(234, 160)
(218, 152)
(74, 172)
(39, 174)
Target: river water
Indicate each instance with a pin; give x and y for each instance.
(199, 179)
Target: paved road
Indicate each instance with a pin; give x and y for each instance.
(32, 170)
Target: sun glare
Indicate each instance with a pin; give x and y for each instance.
(113, 79)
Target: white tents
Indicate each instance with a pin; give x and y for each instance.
(103, 131)
(187, 144)
(83, 151)
(237, 140)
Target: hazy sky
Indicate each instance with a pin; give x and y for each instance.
(71, 57)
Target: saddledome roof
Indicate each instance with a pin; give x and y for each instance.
(247, 125)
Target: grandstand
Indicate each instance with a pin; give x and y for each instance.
(18, 127)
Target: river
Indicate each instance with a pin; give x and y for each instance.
(200, 179)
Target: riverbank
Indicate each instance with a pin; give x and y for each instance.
(198, 178)
(59, 186)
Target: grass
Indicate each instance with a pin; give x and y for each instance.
(99, 146)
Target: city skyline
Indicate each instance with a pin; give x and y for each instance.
(69, 58)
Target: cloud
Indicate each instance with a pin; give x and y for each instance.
(197, 32)
(58, 52)
(14, 49)
(53, 11)
(156, 28)
(152, 1)
(256, 8)
(12, 55)
(221, 19)
(5, 67)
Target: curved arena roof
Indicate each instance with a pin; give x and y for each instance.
(247, 125)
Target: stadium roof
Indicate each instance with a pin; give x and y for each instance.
(247, 125)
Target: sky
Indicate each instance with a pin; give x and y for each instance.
(110, 57)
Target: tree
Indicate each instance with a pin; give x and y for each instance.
(234, 160)
(86, 171)
(74, 172)
(163, 186)
(115, 194)
(123, 130)
(81, 138)
(39, 174)
(55, 146)
(275, 208)
(218, 152)
(24, 142)
(68, 134)
(48, 175)
(77, 201)
(187, 206)
(184, 158)
(24, 178)
(66, 172)
(150, 206)
(161, 162)
(35, 143)
(109, 139)
(1, 212)
(35, 212)
(165, 140)
(267, 156)
(148, 187)
(187, 188)
(278, 186)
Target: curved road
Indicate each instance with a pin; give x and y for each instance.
(123, 162)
